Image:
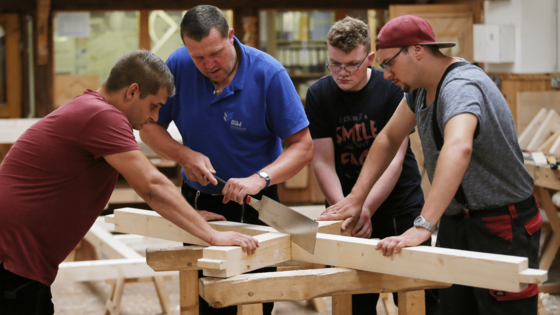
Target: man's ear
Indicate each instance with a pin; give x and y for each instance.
(418, 51)
(131, 91)
(230, 36)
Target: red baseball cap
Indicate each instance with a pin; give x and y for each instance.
(408, 30)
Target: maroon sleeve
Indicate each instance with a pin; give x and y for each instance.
(108, 132)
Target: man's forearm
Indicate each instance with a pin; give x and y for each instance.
(297, 155)
(380, 156)
(162, 196)
(386, 183)
(161, 142)
(328, 181)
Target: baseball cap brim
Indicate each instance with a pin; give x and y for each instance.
(440, 44)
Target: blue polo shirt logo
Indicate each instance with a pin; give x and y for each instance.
(234, 124)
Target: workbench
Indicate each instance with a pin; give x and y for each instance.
(547, 179)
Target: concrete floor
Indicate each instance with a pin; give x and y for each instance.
(88, 298)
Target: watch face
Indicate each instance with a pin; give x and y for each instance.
(418, 220)
(263, 174)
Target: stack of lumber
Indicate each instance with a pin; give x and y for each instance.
(538, 120)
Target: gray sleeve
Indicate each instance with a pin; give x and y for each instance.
(410, 98)
(459, 97)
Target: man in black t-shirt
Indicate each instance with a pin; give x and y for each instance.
(346, 111)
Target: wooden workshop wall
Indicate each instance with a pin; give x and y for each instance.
(512, 83)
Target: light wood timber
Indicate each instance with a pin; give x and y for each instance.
(492, 271)
(537, 276)
(551, 288)
(541, 309)
(555, 147)
(151, 224)
(251, 309)
(175, 258)
(547, 145)
(529, 94)
(342, 305)
(188, 290)
(163, 295)
(388, 303)
(528, 133)
(551, 248)
(113, 304)
(300, 285)
(412, 303)
(108, 245)
(549, 126)
(229, 261)
(96, 270)
(544, 176)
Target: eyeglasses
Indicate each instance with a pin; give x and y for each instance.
(385, 65)
(351, 68)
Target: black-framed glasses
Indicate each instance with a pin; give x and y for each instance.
(351, 68)
(385, 65)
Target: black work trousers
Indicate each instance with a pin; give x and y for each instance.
(509, 233)
(23, 296)
(385, 225)
(232, 212)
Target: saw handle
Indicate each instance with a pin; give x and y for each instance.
(222, 183)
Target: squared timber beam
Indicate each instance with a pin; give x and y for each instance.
(175, 258)
(491, 271)
(228, 261)
(150, 223)
(301, 285)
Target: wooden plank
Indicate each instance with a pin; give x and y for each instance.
(188, 290)
(106, 243)
(483, 270)
(300, 285)
(529, 132)
(150, 223)
(230, 261)
(547, 144)
(412, 303)
(145, 41)
(175, 258)
(537, 276)
(549, 126)
(96, 270)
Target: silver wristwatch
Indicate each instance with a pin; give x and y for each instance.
(264, 174)
(420, 222)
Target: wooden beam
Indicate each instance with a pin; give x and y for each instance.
(188, 290)
(476, 269)
(150, 223)
(342, 304)
(300, 285)
(412, 303)
(228, 261)
(251, 309)
(95, 270)
(144, 30)
(106, 243)
(175, 258)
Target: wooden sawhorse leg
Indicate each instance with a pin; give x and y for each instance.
(188, 289)
(113, 304)
(412, 303)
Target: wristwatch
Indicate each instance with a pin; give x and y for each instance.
(420, 222)
(264, 174)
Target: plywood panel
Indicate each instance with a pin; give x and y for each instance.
(67, 86)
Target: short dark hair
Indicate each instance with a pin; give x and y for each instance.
(199, 21)
(349, 33)
(143, 68)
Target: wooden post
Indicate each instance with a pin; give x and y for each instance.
(342, 305)
(188, 283)
(144, 28)
(412, 303)
(250, 309)
(113, 304)
(162, 294)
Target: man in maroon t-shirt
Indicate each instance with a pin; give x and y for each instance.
(59, 175)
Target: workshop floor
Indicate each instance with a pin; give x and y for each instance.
(88, 298)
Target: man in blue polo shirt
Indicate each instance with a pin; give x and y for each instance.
(234, 106)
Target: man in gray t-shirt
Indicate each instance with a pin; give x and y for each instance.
(472, 157)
